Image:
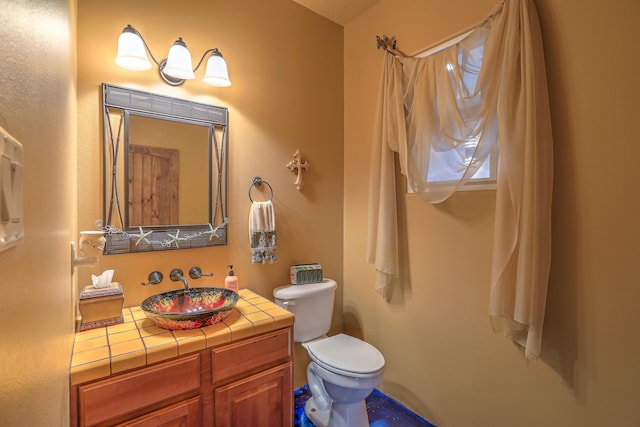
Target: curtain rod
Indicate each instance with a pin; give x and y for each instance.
(390, 45)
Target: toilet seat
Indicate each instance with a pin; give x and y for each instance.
(346, 355)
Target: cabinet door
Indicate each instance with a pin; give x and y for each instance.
(183, 414)
(262, 400)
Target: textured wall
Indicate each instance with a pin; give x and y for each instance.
(37, 107)
(443, 359)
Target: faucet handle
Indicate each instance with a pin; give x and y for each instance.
(196, 273)
(154, 278)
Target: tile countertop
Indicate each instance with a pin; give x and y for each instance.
(137, 342)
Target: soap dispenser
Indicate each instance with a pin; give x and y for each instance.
(231, 281)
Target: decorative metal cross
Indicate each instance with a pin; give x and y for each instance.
(297, 166)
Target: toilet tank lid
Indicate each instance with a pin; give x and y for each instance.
(289, 292)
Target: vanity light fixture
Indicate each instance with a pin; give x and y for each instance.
(132, 55)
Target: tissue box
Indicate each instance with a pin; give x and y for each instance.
(101, 307)
(306, 273)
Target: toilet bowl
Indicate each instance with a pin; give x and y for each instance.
(343, 370)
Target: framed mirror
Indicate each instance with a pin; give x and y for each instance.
(165, 167)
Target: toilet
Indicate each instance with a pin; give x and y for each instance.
(343, 370)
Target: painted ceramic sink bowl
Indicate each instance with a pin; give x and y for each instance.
(189, 308)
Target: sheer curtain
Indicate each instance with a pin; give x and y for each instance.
(485, 95)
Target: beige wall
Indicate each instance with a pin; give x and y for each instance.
(443, 359)
(286, 68)
(38, 107)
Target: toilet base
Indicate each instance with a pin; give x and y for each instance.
(340, 415)
(319, 417)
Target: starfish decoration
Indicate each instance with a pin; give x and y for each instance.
(212, 232)
(142, 236)
(175, 238)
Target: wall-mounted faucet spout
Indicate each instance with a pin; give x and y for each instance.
(176, 276)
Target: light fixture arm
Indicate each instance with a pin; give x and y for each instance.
(213, 51)
(130, 29)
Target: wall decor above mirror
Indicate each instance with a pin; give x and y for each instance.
(165, 167)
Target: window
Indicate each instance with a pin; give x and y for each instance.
(442, 168)
(447, 163)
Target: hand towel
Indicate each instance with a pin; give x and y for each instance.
(262, 232)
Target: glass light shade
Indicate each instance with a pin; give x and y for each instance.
(179, 62)
(132, 54)
(216, 73)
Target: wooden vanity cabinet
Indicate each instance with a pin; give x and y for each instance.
(254, 382)
(243, 383)
(183, 414)
(256, 401)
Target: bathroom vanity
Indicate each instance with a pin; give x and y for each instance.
(235, 373)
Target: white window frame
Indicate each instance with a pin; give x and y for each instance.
(473, 184)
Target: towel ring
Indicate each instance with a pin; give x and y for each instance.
(257, 182)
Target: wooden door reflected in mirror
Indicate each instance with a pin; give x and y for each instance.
(153, 185)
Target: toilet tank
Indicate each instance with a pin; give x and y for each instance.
(312, 305)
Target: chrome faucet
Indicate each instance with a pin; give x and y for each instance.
(176, 275)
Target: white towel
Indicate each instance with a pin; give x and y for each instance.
(262, 232)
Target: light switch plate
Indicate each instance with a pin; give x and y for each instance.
(11, 215)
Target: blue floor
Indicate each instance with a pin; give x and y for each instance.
(382, 410)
